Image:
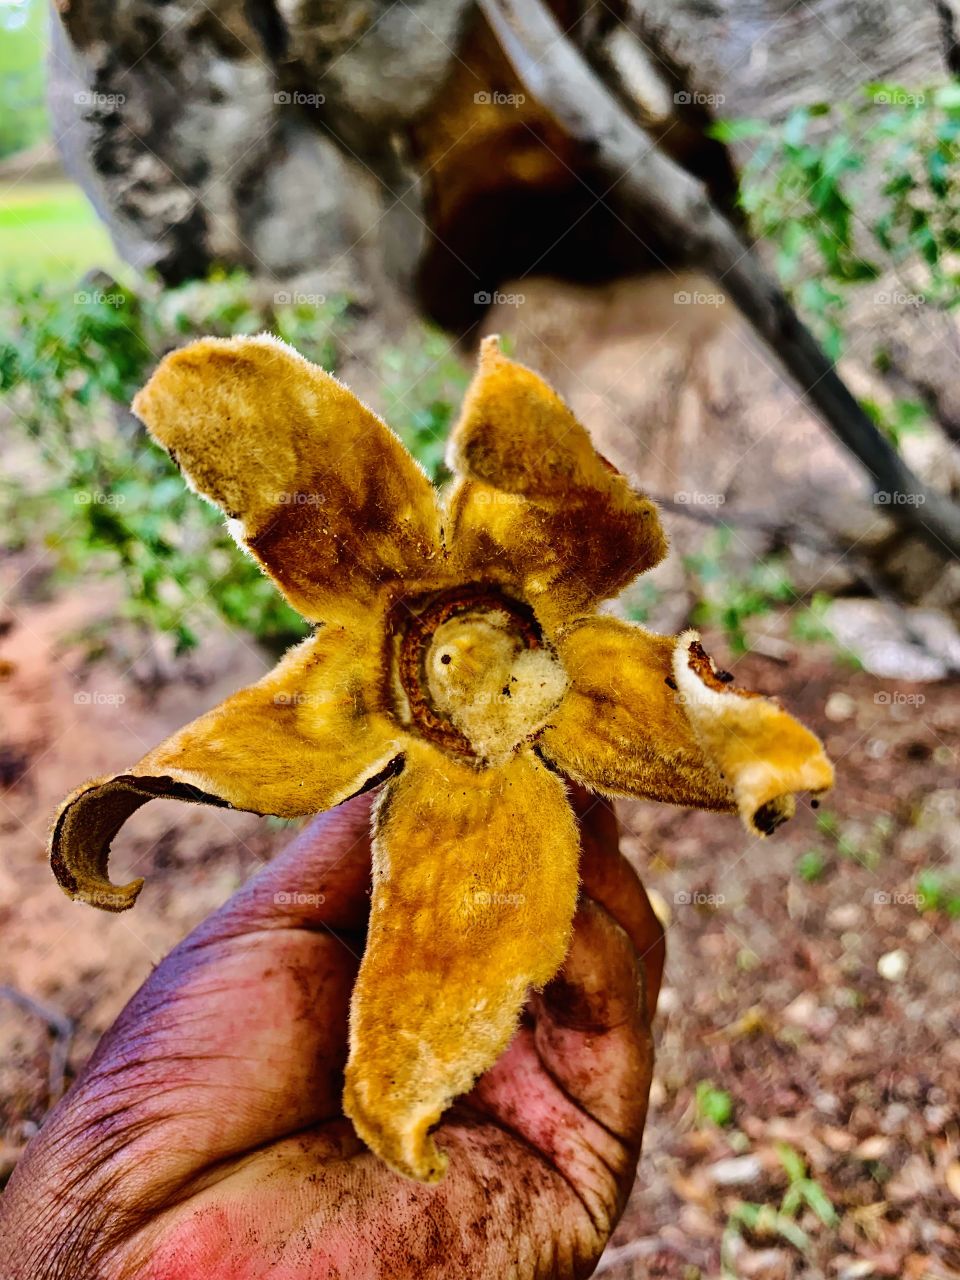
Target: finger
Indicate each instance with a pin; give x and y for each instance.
(573, 1085)
(591, 1028)
(608, 878)
(322, 879)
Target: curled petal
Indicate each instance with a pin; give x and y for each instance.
(537, 507)
(765, 755)
(324, 495)
(304, 738)
(475, 883)
(640, 720)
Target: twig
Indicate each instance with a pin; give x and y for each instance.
(642, 1248)
(62, 1028)
(654, 186)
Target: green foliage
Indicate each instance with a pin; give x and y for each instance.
(935, 893)
(868, 852)
(714, 1106)
(423, 389)
(898, 419)
(809, 623)
(810, 866)
(23, 114)
(731, 592)
(806, 189)
(766, 1222)
(803, 1190)
(94, 489)
(641, 601)
(50, 232)
(728, 598)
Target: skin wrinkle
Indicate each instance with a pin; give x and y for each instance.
(475, 852)
(499, 1122)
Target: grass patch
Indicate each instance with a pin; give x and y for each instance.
(49, 233)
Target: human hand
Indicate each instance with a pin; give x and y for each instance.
(206, 1138)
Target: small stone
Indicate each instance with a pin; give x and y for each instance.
(895, 1117)
(893, 965)
(661, 908)
(802, 1011)
(936, 1119)
(855, 1270)
(839, 706)
(738, 1172)
(840, 1140)
(873, 1148)
(658, 1094)
(669, 1001)
(845, 916)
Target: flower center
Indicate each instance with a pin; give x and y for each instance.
(474, 672)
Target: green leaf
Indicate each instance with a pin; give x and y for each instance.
(810, 866)
(819, 1202)
(792, 1162)
(713, 1104)
(736, 130)
(948, 96)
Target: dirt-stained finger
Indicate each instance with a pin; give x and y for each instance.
(608, 878)
(591, 1027)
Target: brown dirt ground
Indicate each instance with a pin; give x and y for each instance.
(772, 992)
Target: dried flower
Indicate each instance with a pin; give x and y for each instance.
(457, 654)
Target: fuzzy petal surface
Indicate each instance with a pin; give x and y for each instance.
(306, 737)
(536, 507)
(639, 720)
(323, 494)
(474, 890)
(764, 754)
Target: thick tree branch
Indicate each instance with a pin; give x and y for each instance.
(664, 194)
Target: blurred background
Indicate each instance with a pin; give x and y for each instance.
(380, 185)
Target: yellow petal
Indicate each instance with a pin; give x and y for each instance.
(765, 755)
(537, 508)
(640, 721)
(475, 883)
(306, 737)
(324, 495)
